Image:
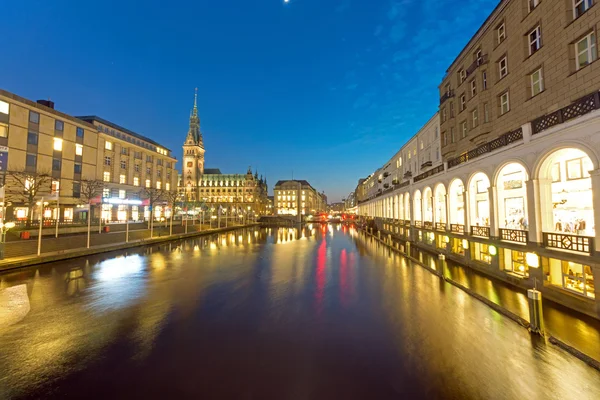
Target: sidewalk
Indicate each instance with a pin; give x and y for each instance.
(24, 253)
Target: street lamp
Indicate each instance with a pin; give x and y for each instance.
(4, 227)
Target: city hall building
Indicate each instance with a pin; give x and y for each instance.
(519, 118)
(233, 194)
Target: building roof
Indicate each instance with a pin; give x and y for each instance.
(44, 108)
(91, 118)
(212, 171)
(303, 182)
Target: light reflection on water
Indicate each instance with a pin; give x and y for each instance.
(322, 312)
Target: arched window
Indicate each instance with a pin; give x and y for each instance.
(479, 202)
(456, 202)
(512, 197)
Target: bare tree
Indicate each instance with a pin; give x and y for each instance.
(171, 197)
(153, 196)
(25, 187)
(90, 189)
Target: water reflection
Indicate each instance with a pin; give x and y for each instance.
(314, 312)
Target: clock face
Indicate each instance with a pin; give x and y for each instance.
(190, 164)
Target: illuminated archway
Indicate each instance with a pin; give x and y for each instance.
(440, 203)
(427, 205)
(407, 206)
(417, 206)
(456, 202)
(512, 196)
(566, 198)
(479, 201)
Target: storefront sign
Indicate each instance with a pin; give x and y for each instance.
(116, 200)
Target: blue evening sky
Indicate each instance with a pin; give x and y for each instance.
(328, 89)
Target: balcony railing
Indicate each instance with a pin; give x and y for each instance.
(431, 172)
(480, 61)
(481, 231)
(407, 222)
(497, 143)
(418, 224)
(407, 174)
(579, 107)
(428, 225)
(581, 244)
(426, 164)
(404, 184)
(457, 228)
(440, 226)
(446, 96)
(514, 235)
(395, 181)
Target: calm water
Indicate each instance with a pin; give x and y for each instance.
(319, 313)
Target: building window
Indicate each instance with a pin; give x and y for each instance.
(136, 181)
(147, 183)
(32, 138)
(77, 189)
(106, 192)
(537, 84)
(57, 146)
(486, 113)
(452, 138)
(463, 129)
(3, 130)
(484, 79)
(501, 31)
(586, 50)
(535, 40)
(504, 103)
(148, 158)
(107, 160)
(462, 75)
(136, 167)
(106, 176)
(452, 109)
(148, 171)
(78, 149)
(158, 185)
(80, 132)
(122, 179)
(123, 164)
(475, 117)
(159, 173)
(55, 164)
(443, 114)
(108, 145)
(463, 102)
(168, 186)
(34, 117)
(473, 87)
(533, 4)
(122, 193)
(31, 160)
(503, 67)
(4, 107)
(124, 150)
(581, 6)
(444, 139)
(570, 275)
(77, 168)
(59, 125)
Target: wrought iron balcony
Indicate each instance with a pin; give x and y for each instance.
(418, 224)
(480, 61)
(457, 228)
(440, 226)
(407, 174)
(386, 174)
(428, 225)
(481, 231)
(446, 96)
(561, 241)
(426, 164)
(579, 107)
(514, 235)
(431, 172)
(386, 185)
(488, 147)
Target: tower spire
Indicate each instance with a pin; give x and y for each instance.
(194, 134)
(195, 112)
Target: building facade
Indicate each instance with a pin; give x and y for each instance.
(211, 189)
(45, 153)
(293, 197)
(519, 114)
(129, 164)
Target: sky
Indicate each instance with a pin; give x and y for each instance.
(322, 90)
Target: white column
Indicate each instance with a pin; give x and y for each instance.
(467, 211)
(493, 201)
(595, 180)
(534, 214)
(447, 203)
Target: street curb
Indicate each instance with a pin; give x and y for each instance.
(76, 253)
(592, 362)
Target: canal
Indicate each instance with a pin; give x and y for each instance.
(268, 313)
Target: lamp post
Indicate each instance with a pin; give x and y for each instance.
(4, 227)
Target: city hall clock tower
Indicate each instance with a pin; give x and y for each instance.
(193, 155)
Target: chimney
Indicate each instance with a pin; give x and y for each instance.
(47, 103)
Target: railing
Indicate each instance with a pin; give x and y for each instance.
(426, 164)
(581, 244)
(417, 224)
(514, 235)
(395, 181)
(407, 222)
(407, 174)
(481, 231)
(427, 174)
(488, 147)
(457, 228)
(428, 225)
(446, 96)
(480, 61)
(404, 184)
(440, 226)
(579, 107)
